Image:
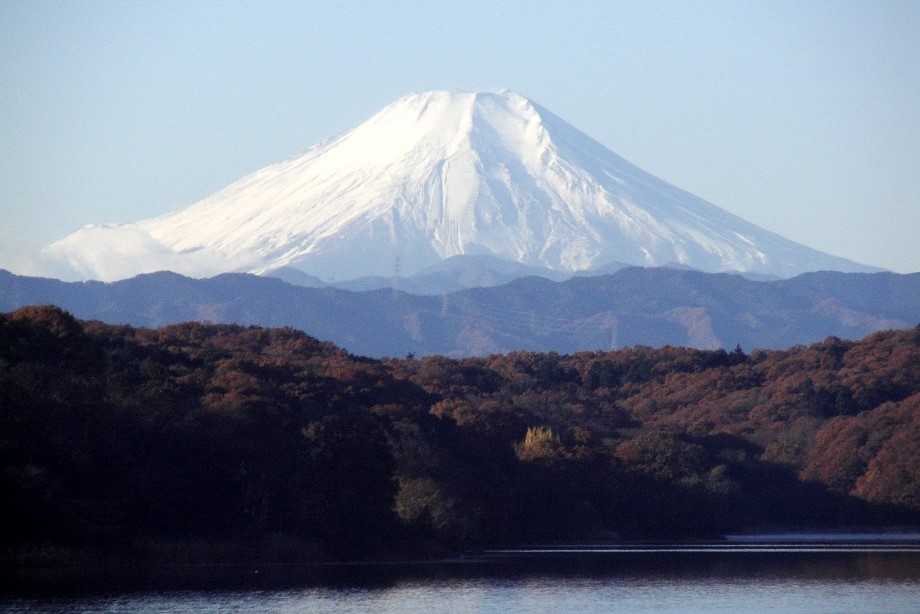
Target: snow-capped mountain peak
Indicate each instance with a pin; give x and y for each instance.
(435, 175)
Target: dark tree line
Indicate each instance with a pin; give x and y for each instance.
(115, 436)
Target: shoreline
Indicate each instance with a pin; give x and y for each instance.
(94, 571)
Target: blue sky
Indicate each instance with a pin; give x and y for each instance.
(802, 117)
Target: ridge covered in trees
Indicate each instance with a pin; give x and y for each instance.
(115, 437)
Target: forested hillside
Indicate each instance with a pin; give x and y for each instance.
(221, 434)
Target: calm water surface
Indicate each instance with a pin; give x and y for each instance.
(749, 578)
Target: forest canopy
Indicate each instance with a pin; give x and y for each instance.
(114, 435)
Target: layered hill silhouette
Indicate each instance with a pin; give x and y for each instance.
(633, 306)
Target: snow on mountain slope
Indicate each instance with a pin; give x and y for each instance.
(436, 175)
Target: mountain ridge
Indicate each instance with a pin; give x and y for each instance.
(435, 175)
(634, 306)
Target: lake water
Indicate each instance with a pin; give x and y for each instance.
(749, 576)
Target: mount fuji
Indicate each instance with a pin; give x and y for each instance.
(438, 175)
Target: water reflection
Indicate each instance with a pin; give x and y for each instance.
(525, 594)
(721, 577)
(694, 562)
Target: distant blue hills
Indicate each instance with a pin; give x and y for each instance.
(631, 306)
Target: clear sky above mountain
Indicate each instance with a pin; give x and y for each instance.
(802, 117)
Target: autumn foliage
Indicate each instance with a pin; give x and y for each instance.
(113, 434)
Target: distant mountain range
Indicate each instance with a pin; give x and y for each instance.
(436, 175)
(448, 275)
(632, 306)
